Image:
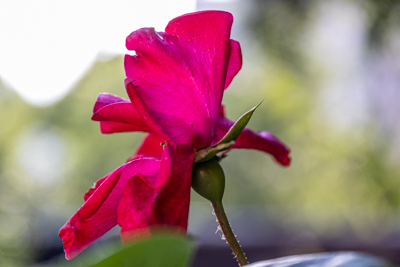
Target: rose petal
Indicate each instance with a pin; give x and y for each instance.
(142, 108)
(134, 209)
(263, 141)
(165, 202)
(105, 99)
(94, 187)
(99, 213)
(180, 75)
(115, 110)
(109, 127)
(235, 62)
(171, 206)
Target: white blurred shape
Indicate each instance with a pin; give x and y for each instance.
(336, 45)
(41, 154)
(217, 1)
(337, 35)
(46, 46)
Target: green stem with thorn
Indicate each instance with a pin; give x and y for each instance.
(228, 233)
(208, 180)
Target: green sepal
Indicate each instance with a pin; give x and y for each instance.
(228, 140)
(210, 152)
(238, 127)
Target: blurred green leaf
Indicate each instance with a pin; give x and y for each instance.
(162, 251)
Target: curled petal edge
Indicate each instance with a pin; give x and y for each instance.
(263, 141)
(99, 213)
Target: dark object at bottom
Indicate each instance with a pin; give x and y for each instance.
(333, 259)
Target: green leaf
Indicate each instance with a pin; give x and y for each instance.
(238, 127)
(158, 251)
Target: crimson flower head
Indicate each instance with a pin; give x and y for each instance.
(175, 84)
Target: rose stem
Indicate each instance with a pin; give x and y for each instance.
(227, 230)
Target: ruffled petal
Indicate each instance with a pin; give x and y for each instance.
(99, 213)
(263, 141)
(235, 62)
(117, 115)
(171, 205)
(180, 75)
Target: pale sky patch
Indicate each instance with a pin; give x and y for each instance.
(46, 46)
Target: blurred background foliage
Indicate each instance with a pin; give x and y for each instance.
(330, 75)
